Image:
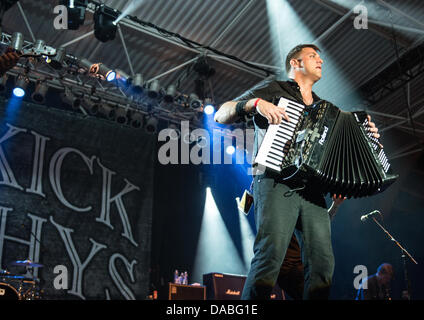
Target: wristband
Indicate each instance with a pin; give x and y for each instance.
(240, 108)
(256, 102)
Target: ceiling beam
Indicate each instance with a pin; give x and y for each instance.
(21, 10)
(127, 22)
(327, 32)
(404, 154)
(373, 25)
(121, 36)
(400, 12)
(233, 21)
(394, 125)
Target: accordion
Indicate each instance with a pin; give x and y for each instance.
(327, 148)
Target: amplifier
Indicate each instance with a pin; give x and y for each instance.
(221, 286)
(186, 292)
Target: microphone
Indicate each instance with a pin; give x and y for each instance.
(369, 215)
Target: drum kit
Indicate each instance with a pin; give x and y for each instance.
(20, 286)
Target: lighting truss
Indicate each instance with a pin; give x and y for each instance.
(78, 79)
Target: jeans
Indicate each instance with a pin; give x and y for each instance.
(277, 213)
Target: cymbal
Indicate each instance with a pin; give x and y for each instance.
(26, 263)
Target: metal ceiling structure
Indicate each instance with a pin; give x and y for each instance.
(163, 40)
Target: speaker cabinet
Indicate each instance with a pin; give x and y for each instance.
(221, 286)
(186, 292)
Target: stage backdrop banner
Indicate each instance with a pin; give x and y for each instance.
(75, 196)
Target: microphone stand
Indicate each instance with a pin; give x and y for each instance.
(403, 250)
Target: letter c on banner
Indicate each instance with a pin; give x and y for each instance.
(55, 171)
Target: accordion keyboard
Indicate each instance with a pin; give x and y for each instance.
(278, 137)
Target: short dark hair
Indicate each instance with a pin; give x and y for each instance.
(385, 268)
(294, 53)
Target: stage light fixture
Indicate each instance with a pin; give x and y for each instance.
(208, 106)
(194, 101)
(106, 72)
(137, 83)
(98, 69)
(230, 150)
(170, 94)
(20, 87)
(104, 26)
(57, 61)
(86, 64)
(121, 116)
(151, 125)
(209, 109)
(39, 95)
(17, 41)
(137, 120)
(76, 12)
(182, 101)
(121, 75)
(154, 89)
(94, 105)
(108, 111)
(77, 100)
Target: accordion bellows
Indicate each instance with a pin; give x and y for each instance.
(326, 147)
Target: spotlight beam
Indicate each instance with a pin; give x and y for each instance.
(216, 251)
(129, 9)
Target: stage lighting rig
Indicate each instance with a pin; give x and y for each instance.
(208, 108)
(194, 101)
(39, 95)
(170, 94)
(122, 76)
(104, 26)
(151, 125)
(76, 12)
(97, 69)
(57, 61)
(137, 120)
(17, 41)
(20, 86)
(121, 116)
(154, 89)
(137, 83)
